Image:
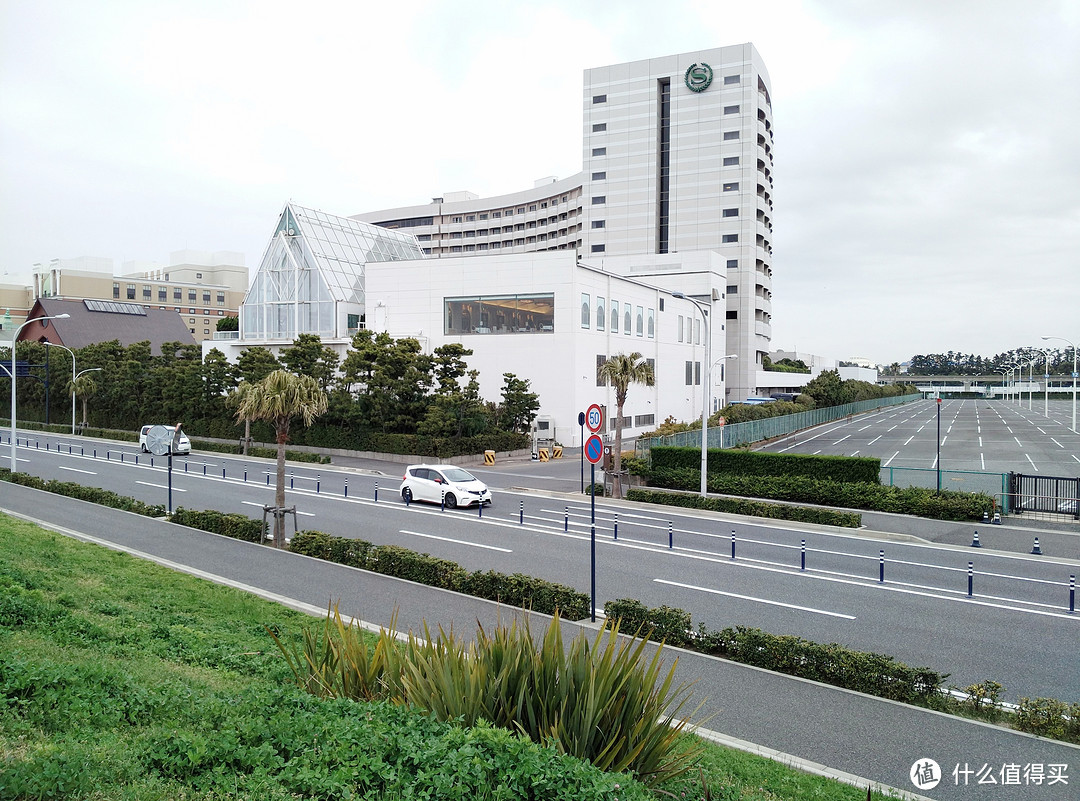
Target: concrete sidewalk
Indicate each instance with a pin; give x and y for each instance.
(811, 725)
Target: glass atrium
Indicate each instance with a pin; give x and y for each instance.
(311, 277)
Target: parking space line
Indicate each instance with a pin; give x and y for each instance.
(754, 600)
(456, 542)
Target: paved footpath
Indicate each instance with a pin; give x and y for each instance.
(861, 738)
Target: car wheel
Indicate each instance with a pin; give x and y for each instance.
(450, 500)
(406, 494)
(143, 449)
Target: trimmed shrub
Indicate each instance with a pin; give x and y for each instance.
(91, 494)
(948, 505)
(736, 506)
(517, 590)
(874, 674)
(755, 463)
(232, 525)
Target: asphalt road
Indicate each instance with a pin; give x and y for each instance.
(864, 736)
(1015, 628)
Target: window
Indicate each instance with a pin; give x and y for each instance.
(626, 319)
(729, 238)
(191, 296)
(598, 248)
(599, 151)
(600, 361)
(697, 374)
(640, 321)
(644, 419)
(598, 223)
(681, 323)
(177, 294)
(697, 331)
(730, 79)
(661, 304)
(614, 318)
(116, 291)
(732, 264)
(599, 200)
(455, 234)
(599, 99)
(532, 207)
(198, 276)
(599, 176)
(470, 234)
(731, 161)
(206, 330)
(520, 210)
(732, 187)
(601, 308)
(731, 109)
(496, 215)
(146, 293)
(584, 310)
(470, 218)
(162, 293)
(652, 323)
(689, 373)
(483, 216)
(733, 315)
(455, 249)
(731, 213)
(205, 297)
(729, 135)
(732, 289)
(455, 219)
(500, 314)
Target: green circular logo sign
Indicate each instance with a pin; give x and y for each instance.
(698, 77)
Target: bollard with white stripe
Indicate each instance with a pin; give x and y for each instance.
(803, 565)
(616, 527)
(1072, 594)
(566, 520)
(670, 536)
(521, 513)
(971, 577)
(733, 544)
(376, 492)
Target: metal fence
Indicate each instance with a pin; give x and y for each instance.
(735, 434)
(993, 484)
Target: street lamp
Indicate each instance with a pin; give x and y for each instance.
(706, 387)
(14, 371)
(1073, 345)
(48, 345)
(74, 378)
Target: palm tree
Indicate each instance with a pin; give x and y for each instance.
(234, 400)
(279, 398)
(621, 371)
(83, 387)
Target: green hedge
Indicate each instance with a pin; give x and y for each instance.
(91, 494)
(874, 674)
(516, 590)
(738, 506)
(756, 463)
(232, 525)
(948, 505)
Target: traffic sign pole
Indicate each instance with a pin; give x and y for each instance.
(581, 423)
(592, 529)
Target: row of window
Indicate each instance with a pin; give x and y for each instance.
(495, 215)
(634, 319)
(729, 80)
(163, 294)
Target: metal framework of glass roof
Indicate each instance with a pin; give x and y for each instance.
(312, 273)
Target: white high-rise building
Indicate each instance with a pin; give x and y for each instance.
(676, 192)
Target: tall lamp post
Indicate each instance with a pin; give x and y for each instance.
(705, 393)
(14, 371)
(69, 350)
(73, 380)
(1073, 345)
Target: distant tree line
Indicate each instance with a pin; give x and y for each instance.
(951, 363)
(383, 386)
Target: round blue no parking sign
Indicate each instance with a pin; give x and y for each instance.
(594, 449)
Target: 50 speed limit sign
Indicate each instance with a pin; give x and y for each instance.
(594, 418)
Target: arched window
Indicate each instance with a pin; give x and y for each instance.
(584, 311)
(600, 307)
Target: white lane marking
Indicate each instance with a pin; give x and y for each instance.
(909, 439)
(160, 486)
(893, 427)
(855, 454)
(948, 430)
(864, 428)
(841, 439)
(1018, 442)
(875, 439)
(77, 470)
(755, 600)
(1075, 457)
(982, 460)
(891, 458)
(456, 542)
(1056, 442)
(943, 441)
(1033, 467)
(980, 441)
(253, 503)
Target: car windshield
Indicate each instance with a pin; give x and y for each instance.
(457, 474)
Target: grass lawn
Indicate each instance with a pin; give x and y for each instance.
(120, 679)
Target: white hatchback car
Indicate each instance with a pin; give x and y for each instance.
(183, 447)
(443, 483)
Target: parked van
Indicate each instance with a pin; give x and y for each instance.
(182, 447)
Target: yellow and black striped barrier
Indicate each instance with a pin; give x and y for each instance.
(543, 454)
(489, 457)
(556, 451)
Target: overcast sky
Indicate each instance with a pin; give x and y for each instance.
(927, 177)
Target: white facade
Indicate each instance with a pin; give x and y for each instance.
(558, 349)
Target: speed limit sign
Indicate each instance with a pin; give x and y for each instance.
(594, 418)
